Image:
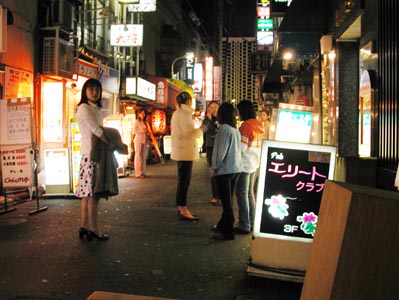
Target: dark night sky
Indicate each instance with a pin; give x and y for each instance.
(239, 16)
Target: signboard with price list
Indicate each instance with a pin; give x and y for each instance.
(16, 166)
(17, 155)
(290, 187)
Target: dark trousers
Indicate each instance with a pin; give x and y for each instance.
(226, 186)
(184, 169)
(209, 152)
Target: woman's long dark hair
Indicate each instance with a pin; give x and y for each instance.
(227, 114)
(90, 83)
(246, 110)
(145, 116)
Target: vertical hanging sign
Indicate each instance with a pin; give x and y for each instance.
(209, 78)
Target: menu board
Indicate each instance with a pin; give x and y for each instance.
(17, 165)
(15, 121)
(290, 187)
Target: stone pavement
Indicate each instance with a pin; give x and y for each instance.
(150, 251)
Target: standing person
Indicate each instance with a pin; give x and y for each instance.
(210, 132)
(251, 130)
(226, 167)
(184, 151)
(140, 144)
(264, 116)
(90, 123)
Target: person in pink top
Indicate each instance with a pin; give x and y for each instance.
(140, 144)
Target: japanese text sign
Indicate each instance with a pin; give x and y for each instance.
(16, 166)
(290, 188)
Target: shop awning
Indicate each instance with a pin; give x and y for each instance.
(302, 26)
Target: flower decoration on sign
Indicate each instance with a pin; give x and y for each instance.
(309, 223)
(278, 207)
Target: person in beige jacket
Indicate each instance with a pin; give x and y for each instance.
(184, 151)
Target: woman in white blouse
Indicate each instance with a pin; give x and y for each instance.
(90, 122)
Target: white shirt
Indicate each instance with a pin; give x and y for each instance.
(90, 122)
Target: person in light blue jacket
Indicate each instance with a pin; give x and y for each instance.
(226, 167)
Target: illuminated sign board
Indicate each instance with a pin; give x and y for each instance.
(263, 12)
(264, 37)
(145, 89)
(265, 24)
(263, 2)
(56, 169)
(209, 78)
(291, 184)
(127, 35)
(52, 119)
(131, 86)
(217, 82)
(198, 78)
(143, 6)
(190, 67)
(137, 86)
(294, 126)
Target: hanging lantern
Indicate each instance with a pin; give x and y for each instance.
(158, 121)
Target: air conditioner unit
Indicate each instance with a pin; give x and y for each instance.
(62, 13)
(58, 57)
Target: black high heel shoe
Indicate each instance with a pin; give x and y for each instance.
(83, 232)
(102, 237)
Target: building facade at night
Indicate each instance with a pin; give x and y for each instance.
(346, 63)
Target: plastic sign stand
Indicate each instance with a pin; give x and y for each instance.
(290, 187)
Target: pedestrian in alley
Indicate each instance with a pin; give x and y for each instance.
(140, 144)
(251, 130)
(184, 151)
(211, 124)
(226, 167)
(90, 123)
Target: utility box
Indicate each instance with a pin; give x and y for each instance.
(355, 249)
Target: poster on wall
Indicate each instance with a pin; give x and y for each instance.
(17, 166)
(15, 122)
(291, 184)
(18, 83)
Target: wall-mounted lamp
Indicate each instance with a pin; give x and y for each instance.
(288, 54)
(187, 56)
(2, 68)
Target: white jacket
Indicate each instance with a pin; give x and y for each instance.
(184, 135)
